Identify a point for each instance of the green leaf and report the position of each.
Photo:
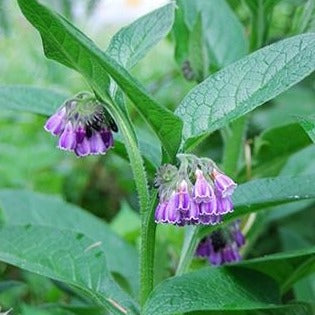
(262, 193)
(309, 126)
(65, 256)
(132, 42)
(67, 45)
(290, 309)
(222, 32)
(9, 284)
(31, 99)
(272, 149)
(22, 208)
(213, 289)
(286, 268)
(241, 87)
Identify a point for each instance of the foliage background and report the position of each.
(104, 186)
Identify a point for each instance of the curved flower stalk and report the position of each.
(83, 126)
(195, 193)
(222, 246)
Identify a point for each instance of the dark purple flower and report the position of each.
(223, 183)
(222, 246)
(83, 126)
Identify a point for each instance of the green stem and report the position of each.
(188, 249)
(146, 209)
(148, 228)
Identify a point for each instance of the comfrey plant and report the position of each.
(83, 126)
(195, 193)
(194, 199)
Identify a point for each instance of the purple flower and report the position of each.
(203, 192)
(224, 205)
(160, 214)
(56, 123)
(223, 183)
(222, 246)
(83, 126)
(182, 198)
(67, 140)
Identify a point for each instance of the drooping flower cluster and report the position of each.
(196, 193)
(83, 126)
(222, 246)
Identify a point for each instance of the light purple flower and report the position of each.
(83, 148)
(224, 205)
(67, 140)
(223, 183)
(182, 198)
(97, 144)
(160, 213)
(173, 215)
(56, 123)
(203, 192)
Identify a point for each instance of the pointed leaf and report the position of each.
(244, 85)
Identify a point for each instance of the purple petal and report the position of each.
(193, 213)
(203, 192)
(67, 140)
(96, 144)
(239, 238)
(182, 198)
(203, 249)
(224, 184)
(224, 205)
(107, 137)
(56, 123)
(80, 133)
(83, 148)
(172, 214)
(208, 207)
(160, 215)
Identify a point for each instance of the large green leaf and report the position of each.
(286, 268)
(132, 42)
(31, 99)
(66, 256)
(213, 289)
(246, 84)
(22, 208)
(67, 45)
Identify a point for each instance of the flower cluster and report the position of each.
(83, 126)
(196, 193)
(222, 246)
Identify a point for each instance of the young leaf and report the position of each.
(244, 85)
(308, 124)
(22, 208)
(213, 289)
(132, 42)
(67, 45)
(66, 256)
(286, 268)
(222, 32)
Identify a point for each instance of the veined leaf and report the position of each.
(244, 85)
(26, 208)
(286, 268)
(132, 42)
(65, 256)
(213, 289)
(67, 45)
